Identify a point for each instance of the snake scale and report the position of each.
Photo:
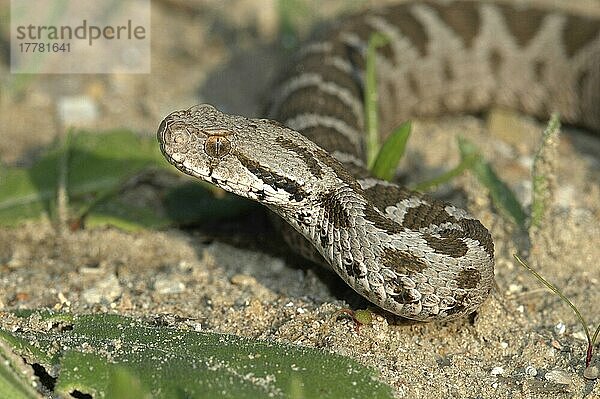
(405, 252)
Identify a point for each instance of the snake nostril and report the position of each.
(175, 134)
(179, 137)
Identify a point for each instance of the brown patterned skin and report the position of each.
(409, 254)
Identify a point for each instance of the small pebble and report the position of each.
(556, 345)
(591, 373)
(63, 299)
(560, 328)
(184, 266)
(169, 286)
(243, 280)
(498, 370)
(514, 288)
(106, 290)
(520, 308)
(558, 376)
(531, 371)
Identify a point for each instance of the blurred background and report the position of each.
(223, 52)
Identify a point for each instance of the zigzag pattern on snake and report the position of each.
(409, 254)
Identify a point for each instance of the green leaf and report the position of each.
(98, 165)
(122, 383)
(14, 383)
(105, 354)
(371, 97)
(391, 152)
(502, 196)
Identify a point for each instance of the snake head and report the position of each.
(239, 155)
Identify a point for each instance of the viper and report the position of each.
(407, 253)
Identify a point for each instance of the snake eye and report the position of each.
(217, 146)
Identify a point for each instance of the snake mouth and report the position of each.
(181, 167)
(225, 184)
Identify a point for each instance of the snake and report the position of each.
(407, 253)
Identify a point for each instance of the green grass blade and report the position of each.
(544, 170)
(391, 152)
(502, 196)
(558, 292)
(466, 162)
(591, 340)
(371, 98)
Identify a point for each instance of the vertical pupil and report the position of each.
(217, 146)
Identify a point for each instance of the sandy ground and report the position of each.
(236, 278)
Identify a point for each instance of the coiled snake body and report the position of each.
(411, 255)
